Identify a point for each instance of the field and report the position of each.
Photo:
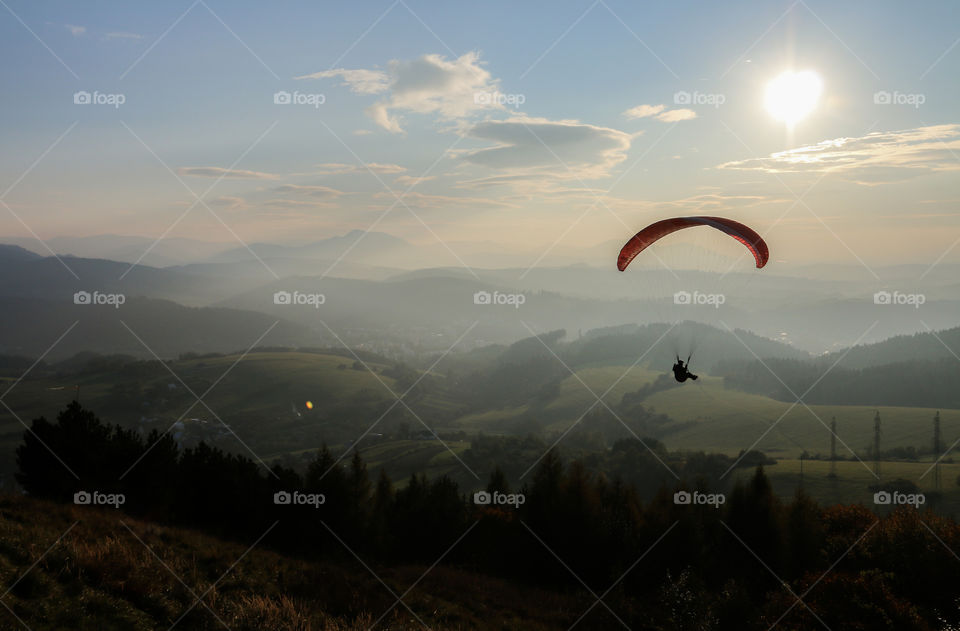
(573, 400)
(270, 390)
(712, 418)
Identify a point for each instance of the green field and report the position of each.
(271, 389)
(573, 400)
(710, 417)
(263, 396)
(259, 383)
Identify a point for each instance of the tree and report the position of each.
(57, 460)
(498, 482)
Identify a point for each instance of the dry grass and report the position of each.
(113, 572)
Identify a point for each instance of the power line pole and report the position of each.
(801, 469)
(936, 450)
(833, 447)
(876, 444)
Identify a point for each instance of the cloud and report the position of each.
(675, 116)
(235, 174)
(380, 114)
(502, 180)
(324, 192)
(122, 35)
(642, 111)
(408, 180)
(423, 200)
(660, 112)
(872, 159)
(75, 30)
(715, 202)
(430, 84)
(297, 204)
(359, 81)
(228, 202)
(566, 147)
(336, 168)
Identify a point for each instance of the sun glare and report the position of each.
(793, 95)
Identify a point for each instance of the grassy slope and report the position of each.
(713, 418)
(265, 384)
(261, 382)
(710, 417)
(113, 572)
(573, 400)
(706, 416)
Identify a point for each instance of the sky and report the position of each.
(531, 126)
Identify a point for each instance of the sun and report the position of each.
(793, 95)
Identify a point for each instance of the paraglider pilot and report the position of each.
(681, 372)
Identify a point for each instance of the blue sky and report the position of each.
(410, 87)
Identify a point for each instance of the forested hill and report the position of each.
(913, 383)
(919, 346)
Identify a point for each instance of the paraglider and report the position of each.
(655, 231)
(682, 372)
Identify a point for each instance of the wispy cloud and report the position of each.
(309, 191)
(122, 35)
(565, 147)
(336, 168)
(643, 111)
(872, 159)
(216, 172)
(675, 116)
(229, 202)
(660, 112)
(407, 180)
(297, 204)
(423, 200)
(716, 202)
(359, 81)
(75, 30)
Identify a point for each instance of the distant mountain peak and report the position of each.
(17, 253)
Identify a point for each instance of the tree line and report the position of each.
(736, 564)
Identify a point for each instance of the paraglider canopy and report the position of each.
(646, 237)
